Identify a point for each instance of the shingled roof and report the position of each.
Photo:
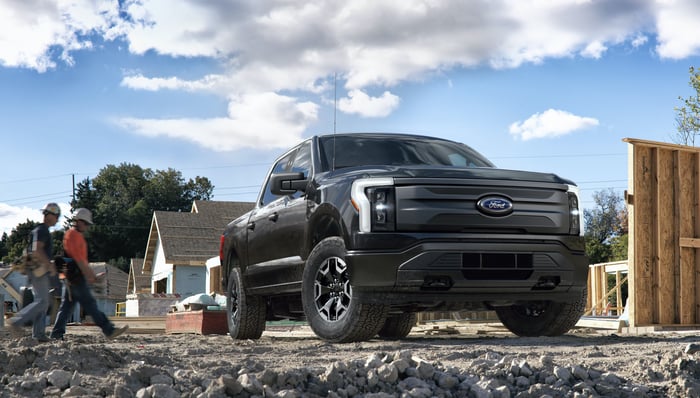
(139, 281)
(191, 238)
(114, 287)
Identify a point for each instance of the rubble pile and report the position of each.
(85, 367)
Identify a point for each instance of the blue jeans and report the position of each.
(36, 311)
(79, 293)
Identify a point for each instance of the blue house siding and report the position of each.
(190, 280)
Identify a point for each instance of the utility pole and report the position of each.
(72, 202)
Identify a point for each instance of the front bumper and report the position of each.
(481, 270)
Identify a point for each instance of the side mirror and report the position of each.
(287, 183)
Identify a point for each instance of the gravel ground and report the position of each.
(481, 361)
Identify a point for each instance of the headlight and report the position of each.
(374, 200)
(382, 204)
(575, 213)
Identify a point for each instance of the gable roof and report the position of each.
(191, 238)
(225, 211)
(115, 284)
(139, 281)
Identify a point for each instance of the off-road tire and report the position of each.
(543, 318)
(245, 314)
(333, 313)
(398, 326)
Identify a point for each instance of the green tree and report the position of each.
(606, 228)
(688, 115)
(123, 198)
(3, 246)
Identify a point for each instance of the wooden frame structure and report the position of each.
(664, 234)
(599, 296)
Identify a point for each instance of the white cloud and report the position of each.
(140, 82)
(265, 120)
(362, 104)
(550, 123)
(294, 49)
(594, 50)
(34, 34)
(678, 29)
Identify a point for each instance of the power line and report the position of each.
(228, 166)
(35, 197)
(590, 189)
(238, 187)
(40, 178)
(593, 155)
(598, 182)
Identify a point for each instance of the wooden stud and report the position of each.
(644, 231)
(665, 246)
(686, 199)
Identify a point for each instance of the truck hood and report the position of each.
(452, 173)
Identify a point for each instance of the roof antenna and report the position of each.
(335, 110)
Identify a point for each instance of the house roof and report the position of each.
(191, 238)
(225, 211)
(115, 282)
(139, 281)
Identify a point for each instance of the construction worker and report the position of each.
(79, 277)
(39, 251)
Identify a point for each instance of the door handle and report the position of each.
(251, 226)
(273, 217)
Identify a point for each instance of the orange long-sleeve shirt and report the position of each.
(75, 246)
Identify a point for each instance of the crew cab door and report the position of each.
(276, 227)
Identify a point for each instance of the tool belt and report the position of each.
(27, 263)
(67, 267)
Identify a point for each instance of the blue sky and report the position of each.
(219, 89)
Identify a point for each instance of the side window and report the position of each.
(280, 167)
(302, 160)
(302, 164)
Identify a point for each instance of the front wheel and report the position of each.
(543, 318)
(245, 313)
(331, 309)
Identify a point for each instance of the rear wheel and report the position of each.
(398, 326)
(331, 309)
(543, 318)
(245, 313)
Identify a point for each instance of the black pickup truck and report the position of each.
(356, 233)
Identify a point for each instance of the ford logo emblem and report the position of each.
(495, 206)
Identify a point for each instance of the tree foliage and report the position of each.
(688, 115)
(122, 199)
(606, 228)
(3, 246)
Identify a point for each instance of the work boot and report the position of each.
(117, 332)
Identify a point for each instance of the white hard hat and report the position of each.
(51, 208)
(83, 214)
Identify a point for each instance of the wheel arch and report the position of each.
(230, 258)
(323, 223)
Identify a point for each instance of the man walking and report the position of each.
(40, 249)
(79, 276)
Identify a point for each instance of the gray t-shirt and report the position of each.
(41, 234)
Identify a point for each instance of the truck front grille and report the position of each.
(497, 266)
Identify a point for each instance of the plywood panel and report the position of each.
(631, 238)
(664, 233)
(644, 165)
(687, 203)
(665, 244)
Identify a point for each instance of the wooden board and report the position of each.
(198, 322)
(664, 233)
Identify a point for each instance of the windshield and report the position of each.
(363, 150)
